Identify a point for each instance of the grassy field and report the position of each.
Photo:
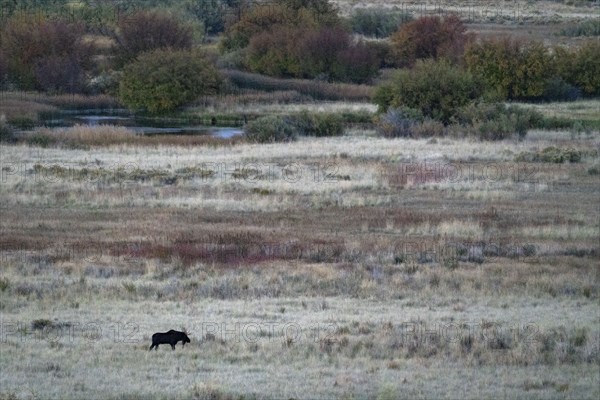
(352, 267)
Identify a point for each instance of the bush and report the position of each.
(262, 18)
(435, 88)
(590, 27)
(511, 69)
(558, 90)
(45, 54)
(580, 66)
(271, 128)
(551, 155)
(326, 53)
(162, 80)
(408, 123)
(3, 68)
(429, 37)
(144, 31)
(397, 122)
(319, 124)
(212, 13)
(496, 121)
(6, 131)
(378, 23)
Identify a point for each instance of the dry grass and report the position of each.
(83, 136)
(318, 90)
(394, 273)
(353, 266)
(28, 105)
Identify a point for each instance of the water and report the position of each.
(141, 125)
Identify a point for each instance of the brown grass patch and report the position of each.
(110, 135)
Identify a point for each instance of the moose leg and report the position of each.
(172, 346)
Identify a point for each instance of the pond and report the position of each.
(141, 125)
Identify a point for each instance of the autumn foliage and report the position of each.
(429, 37)
(45, 54)
(327, 53)
(144, 31)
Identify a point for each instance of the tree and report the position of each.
(164, 79)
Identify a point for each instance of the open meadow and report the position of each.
(340, 239)
(352, 266)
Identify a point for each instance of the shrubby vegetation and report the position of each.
(45, 54)
(318, 124)
(435, 88)
(429, 37)
(6, 131)
(144, 31)
(408, 123)
(163, 80)
(326, 53)
(260, 18)
(300, 39)
(284, 128)
(580, 67)
(513, 69)
(150, 56)
(551, 155)
(272, 128)
(496, 121)
(377, 22)
(589, 27)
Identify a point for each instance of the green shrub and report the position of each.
(580, 66)
(436, 88)
(551, 154)
(41, 140)
(378, 22)
(555, 123)
(272, 128)
(163, 80)
(22, 122)
(558, 90)
(7, 133)
(496, 121)
(512, 69)
(590, 27)
(319, 124)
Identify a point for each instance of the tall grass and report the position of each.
(82, 136)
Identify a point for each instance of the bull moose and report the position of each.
(171, 337)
